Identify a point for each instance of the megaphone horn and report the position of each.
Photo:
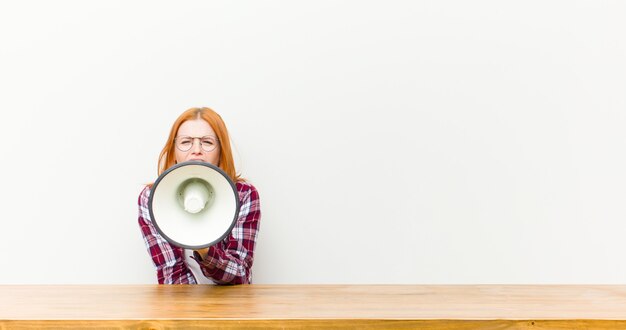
(194, 205)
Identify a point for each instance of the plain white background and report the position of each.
(391, 142)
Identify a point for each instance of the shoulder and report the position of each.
(144, 195)
(247, 190)
(245, 186)
(250, 212)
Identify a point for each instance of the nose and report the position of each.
(196, 148)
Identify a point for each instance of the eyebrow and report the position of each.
(211, 136)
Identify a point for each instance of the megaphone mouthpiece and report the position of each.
(195, 196)
(194, 204)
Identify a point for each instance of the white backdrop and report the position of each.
(390, 141)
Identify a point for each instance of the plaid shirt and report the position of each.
(227, 262)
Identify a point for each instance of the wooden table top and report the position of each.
(276, 305)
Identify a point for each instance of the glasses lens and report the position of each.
(208, 143)
(184, 143)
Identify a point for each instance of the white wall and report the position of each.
(391, 142)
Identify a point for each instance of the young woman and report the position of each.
(200, 134)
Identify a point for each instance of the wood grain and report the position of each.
(314, 306)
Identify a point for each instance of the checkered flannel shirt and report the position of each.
(227, 262)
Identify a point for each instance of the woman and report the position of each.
(200, 134)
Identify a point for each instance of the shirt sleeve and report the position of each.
(167, 258)
(230, 261)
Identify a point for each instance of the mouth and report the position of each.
(196, 159)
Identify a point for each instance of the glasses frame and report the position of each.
(193, 140)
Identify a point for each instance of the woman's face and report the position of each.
(196, 140)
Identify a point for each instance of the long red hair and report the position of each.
(226, 162)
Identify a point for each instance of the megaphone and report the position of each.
(194, 205)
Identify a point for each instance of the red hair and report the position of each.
(226, 163)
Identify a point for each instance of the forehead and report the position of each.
(195, 127)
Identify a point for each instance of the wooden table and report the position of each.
(314, 306)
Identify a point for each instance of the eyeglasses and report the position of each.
(184, 143)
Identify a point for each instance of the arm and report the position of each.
(168, 259)
(230, 261)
